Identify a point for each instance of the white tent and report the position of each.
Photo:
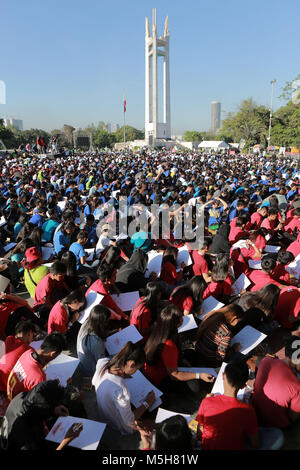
(214, 144)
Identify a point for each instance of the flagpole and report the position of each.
(124, 110)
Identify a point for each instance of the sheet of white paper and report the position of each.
(139, 387)
(294, 267)
(48, 264)
(9, 247)
(208, 305)
(240, 244)
(271, 249)
(201, 370)
(90, 253)
(188, 323)
(249, 338)
(2, 221)
(92, 299)
(62, 204)
(115, 343)
(241, 283)
(62, 368)
(183, 255)
(218, 388)
(47, 251)
(267, 237)
(254, 263)
(126, 301)
(154, 263)
(3, 283)
(89, 437)
(165, 414)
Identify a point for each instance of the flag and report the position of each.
(124, 100)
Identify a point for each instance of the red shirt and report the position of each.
(183, 302)
(281, 275)
(275, 389)
(218, 289)
(107, 301)
(288, 304)
(256, 219)
(141, 316)
(292, 224)
(58, 319)
(168, 360)
(6, 308)
(45, 288)
(236, 234)
(14, 348)
(169, 273)
(269, 225)
(226, 423)
(200, 265)
(26, 374)
(260, 279)
(294, 248)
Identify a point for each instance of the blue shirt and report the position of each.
(78, 251)
(48, 228)
(37, 219)
(60, 242)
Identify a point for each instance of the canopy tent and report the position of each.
(214, 144)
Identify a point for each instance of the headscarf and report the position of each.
(220, 242)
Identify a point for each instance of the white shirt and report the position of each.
(113, 399)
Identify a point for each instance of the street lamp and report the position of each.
(270, 122)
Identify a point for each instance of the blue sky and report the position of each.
(69, 61)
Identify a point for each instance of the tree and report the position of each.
(291, 90)
(131, 134)
(192, 136)
(286, 126)
(103, 139)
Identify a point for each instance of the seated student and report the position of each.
(163, 351)
(220, 243)
(66, 312)
(90, 227)
(292, 225)
(12, 310)
(131, 276)
(188, 298)
(238, 232)
(221, 285)
(284, 258)
(288, 307)
(33, 269)
(113, 396)
(91, 339)
(241, 256)
(50, 225)
(73, 280)
(294, 247)
(257, 217)
(103, 286)
(171, 434)
(265, 275)
(146, 310)
(23, 426)
(62, 238)
(214, 335)
(226, 423)
(169, 272)
(28, 370)
(200, 266)
(270, 222)
(276, 394)
(14, 346)
(78, 250)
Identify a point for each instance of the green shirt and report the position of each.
(37, 274)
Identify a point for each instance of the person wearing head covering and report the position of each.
(220, 243)
(34, 271)
(131, 276)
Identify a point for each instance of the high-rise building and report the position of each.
(108, 127)
(116, 127)
(215, 116)
(18, 123)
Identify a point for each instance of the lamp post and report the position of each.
(270, 122)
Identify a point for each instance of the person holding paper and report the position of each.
(200, 266)
(163, 350)
(294, 247)
(221, 285)
(188, 297)
(91, 339)
(113, 397)
(66, 312)
(265, 275)
(169, 272)
(226, 423)
(214, 335)
(71, 434)
(171, 434)
(284, 258)
(145, 311)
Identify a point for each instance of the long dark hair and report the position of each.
(74, 296)
(165, 328)
(193, 288)
(223, 315)
(265, 299)
(129, 352)
(36, 236)
(151, 298)
(169, 255)
(221, 266)
(69, 260)
(112, 257)
(97, 322)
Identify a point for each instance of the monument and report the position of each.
(156, 47)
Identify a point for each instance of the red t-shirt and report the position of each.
(169, 273)
(58, 319)
(256, 219)
(288, 304)
(141, 315)
(218, 289)
(292, 224)
(260, 279)
(26, 374)
(45, 288)
(236, 234)
(200, 265)
(294, 248)
(168, 360)
(183, 302)
(276, 388)
(14, 348)
(281, 275)
(268, 224)
(107, 301)
(6, 308)
(226, 423)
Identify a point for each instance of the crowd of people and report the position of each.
(71, 205)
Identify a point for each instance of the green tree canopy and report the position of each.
(192, 136)
(131, 134)
(103, 139)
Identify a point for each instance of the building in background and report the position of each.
(11, 122)
(215, 116)
(108, 127)
(116, 127)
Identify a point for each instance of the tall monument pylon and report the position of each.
(155, 48)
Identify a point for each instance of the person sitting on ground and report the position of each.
(200, 266)
(169, 272)
(188, 297)
(34, 271)
(220, 286)
(66, 312)
(145, 311)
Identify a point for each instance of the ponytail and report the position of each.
(129, 352)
